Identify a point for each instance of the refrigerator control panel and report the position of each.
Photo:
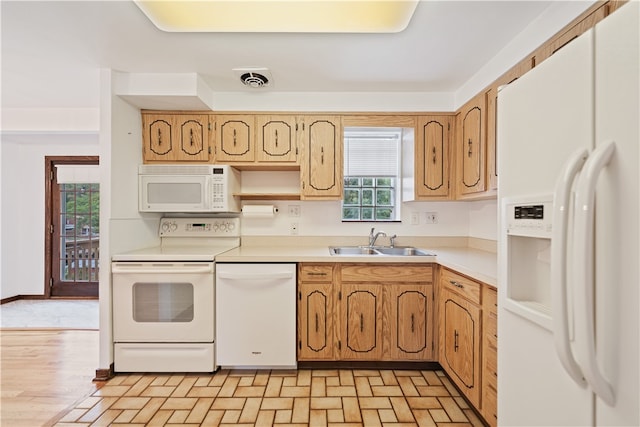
(530, 217)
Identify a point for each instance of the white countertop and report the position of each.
(478, 264)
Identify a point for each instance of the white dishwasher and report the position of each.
(256, 315)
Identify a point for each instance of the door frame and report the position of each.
(49, 179)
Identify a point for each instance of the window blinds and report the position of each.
(372, 154)
(77, 174)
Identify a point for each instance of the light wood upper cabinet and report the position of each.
(234, 140)
(276, 139)
(470, 149)
(321, 160)
(432, 157)
(170, 137)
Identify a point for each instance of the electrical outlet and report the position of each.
(431, 217)
(294, 210)
(294, 228)
(415, 218)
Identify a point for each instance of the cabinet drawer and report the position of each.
(461, 285)
(386, 273)
(315, 273)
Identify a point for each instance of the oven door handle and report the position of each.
(137, 268)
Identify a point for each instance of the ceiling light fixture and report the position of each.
(280, 16)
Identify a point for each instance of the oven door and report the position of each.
(163, 301)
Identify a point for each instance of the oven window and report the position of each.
(162, 302)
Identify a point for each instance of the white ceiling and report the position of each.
(52, 51)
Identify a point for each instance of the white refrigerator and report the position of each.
(569, 232)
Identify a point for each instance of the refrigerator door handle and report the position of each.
(584, 270)
(559, 304)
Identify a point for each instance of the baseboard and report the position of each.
(350, 364)
(19, 297)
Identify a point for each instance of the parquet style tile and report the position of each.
(282, 398)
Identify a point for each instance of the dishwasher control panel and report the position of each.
(199, 227)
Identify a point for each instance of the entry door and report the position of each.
(72, 227)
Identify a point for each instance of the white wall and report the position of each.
(23, 204)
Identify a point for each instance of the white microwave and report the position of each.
(188, 188)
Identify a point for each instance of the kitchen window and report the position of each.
(372, 174)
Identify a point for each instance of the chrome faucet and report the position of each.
(373, 237)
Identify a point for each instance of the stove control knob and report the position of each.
(231, 226)
(223, 227)
(165, 227)
(174, 226)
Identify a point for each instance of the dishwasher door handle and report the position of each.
(256, 276)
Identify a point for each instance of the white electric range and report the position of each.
(164, 297)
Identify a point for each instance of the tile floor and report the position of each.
(264, 398)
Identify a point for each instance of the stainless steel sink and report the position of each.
(403, 251)
(378, 250)
(352, 250)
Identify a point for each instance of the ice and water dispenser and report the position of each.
(526, 236)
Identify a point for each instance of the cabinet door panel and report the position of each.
(411, 321)
(460, 343)
(276, 139)
(315, 322)
(471, 147)
(362, 322)
(432, 157)
(193, 137)
(234, 139)
(157, 137)
(321, 167)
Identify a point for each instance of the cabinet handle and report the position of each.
(456, 284)
(191, 136)
(361, 322)
(322, 155)
(159, 137)
(234, 137)
(455, 340)
(317, 327)
(276, 138)
(316, 274)
(470, 144)
(434, 155)
(413, 323)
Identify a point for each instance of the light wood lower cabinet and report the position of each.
(469, 339)
(410, 321)
(367, 312)
(316, 312)
(460, 343)
(490, 356)
(361, 321)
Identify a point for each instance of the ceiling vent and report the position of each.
(254, 77)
